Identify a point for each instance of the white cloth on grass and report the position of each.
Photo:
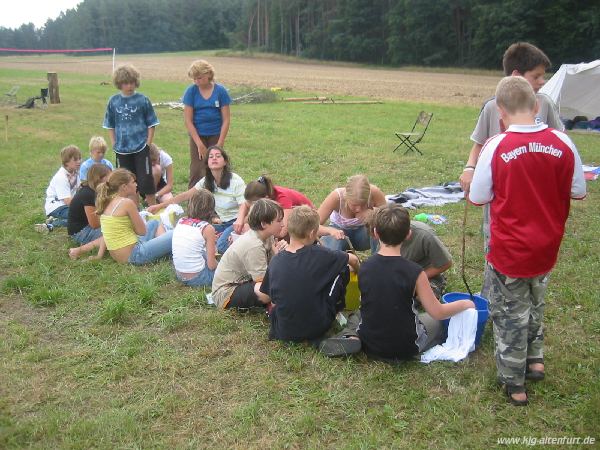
(460, 341)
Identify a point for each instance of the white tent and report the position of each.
(575, 88)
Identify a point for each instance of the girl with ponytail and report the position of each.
(128, 238)
(264, 187)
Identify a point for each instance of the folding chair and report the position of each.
(412, 138)
(11, 96)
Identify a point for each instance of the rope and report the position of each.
(462, 252)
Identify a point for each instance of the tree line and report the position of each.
(459, 33)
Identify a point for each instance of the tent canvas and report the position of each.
(575, 88)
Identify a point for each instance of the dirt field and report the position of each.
(321, 79)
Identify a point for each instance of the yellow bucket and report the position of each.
(352, 293)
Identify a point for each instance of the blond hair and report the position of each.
(515, 94)
(154, 152)
(358, 189)
(302, 221)
(68, 153)
(108, 190)
(126, 74)
(199, 68)
(95, 174)
(97, 142)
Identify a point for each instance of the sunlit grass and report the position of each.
(96, 354)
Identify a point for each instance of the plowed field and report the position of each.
(320, 79)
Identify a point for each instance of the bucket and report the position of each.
(352, 293)
(481, 304)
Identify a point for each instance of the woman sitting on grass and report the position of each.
(228, 189)
(83, 224)
(265, 188)
(128, 238)
(347, 209)
(195, 242)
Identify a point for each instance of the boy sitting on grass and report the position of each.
(388, 325)
(98, 148)
(240, 272)
(528, 174)
(61, 190)
(306, 282)
(162, 171)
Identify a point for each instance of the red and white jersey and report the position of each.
(528, 174)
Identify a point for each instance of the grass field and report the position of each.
(97, 355)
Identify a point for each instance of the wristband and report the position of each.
(469, 168)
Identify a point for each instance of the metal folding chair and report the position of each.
(11, 96)
(413, 137)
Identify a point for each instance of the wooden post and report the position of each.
(53, 87)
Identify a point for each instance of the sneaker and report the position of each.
(43, 227)
(49, 219)
(339, 346)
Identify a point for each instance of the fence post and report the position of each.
(53, 87)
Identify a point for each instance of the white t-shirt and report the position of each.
(228, 201)
(165, 161)
(59, 189)
(189, 246)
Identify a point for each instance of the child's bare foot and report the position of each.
(74, 253)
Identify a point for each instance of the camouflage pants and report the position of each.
(516, 310)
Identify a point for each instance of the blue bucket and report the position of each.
(481, 304)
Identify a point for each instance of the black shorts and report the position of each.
(244, 297)
(140, 165)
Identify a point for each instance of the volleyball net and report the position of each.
(9, 51)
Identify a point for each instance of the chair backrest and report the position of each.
(421, 124)
(11, 96)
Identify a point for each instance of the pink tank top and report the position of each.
(344, 222)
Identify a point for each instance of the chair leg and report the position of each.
(403, 141)
(412, 147)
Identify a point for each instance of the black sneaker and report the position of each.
(340, 346)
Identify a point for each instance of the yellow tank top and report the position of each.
(117, 231)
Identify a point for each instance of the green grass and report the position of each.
(98, 355)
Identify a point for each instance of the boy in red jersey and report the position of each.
(527, 174)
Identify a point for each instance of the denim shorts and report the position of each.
(203, 278)
(87, 234)
(150, 248)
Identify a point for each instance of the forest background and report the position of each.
(460, 33)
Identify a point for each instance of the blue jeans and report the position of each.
(225, 228)
(358, 236)
(203, 278)
(150, 248)
(87, 234)
(61, 215)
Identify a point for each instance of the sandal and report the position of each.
(510, 389)
(534, 375)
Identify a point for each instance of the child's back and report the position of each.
(389, 327)
(189, 245)
(533, 168)
(305, 285)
